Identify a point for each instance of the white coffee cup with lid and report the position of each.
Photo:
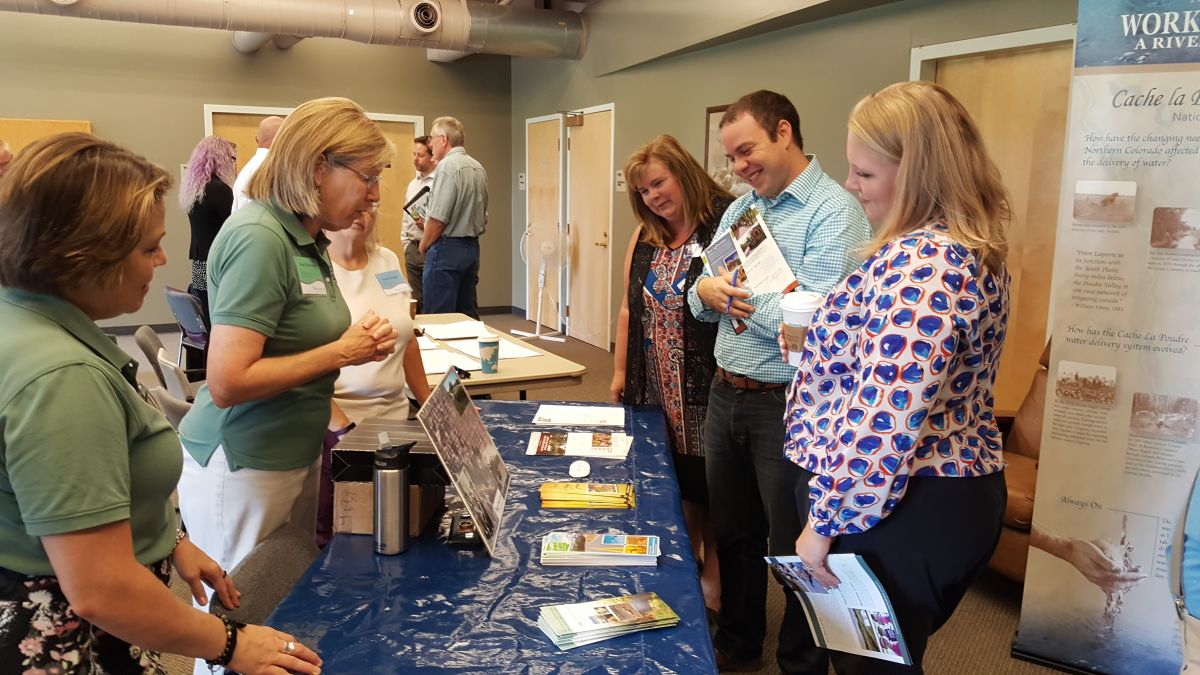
(798, 308)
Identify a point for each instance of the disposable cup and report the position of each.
(489, 353)
(798, 308)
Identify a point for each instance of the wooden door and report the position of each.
(241, 128)
(543, 185)
(392, 187)
(589, 218)
(1018, 98)
(19, 133)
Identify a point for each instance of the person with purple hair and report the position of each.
(206, 194)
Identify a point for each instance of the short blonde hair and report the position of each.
(699, 189)
(452, 129)
(945, 171)
(316, 131)
(72, 208)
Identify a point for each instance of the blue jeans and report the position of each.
(751, 497)
(451, 275)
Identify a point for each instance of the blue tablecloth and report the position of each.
(436, 608)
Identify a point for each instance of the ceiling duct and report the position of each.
(463, 25)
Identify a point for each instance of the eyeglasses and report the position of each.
(371, 181)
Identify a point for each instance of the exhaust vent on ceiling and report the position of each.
(427, 16)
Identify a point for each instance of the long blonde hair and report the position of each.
(945, 171)
(699, 189)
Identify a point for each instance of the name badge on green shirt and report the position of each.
(311, 281)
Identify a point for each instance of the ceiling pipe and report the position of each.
(450, 55)
(248, 43)
(461, 25)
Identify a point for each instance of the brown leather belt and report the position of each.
(743, 382)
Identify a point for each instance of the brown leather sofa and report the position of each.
(1022, 447)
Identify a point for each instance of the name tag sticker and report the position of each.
(392, 282)
(311, 281)
(692, 250)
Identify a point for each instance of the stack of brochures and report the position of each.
(579, 444)
(604, 550)
(583, 623)
(587, 496)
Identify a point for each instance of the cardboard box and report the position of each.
(354, 507)
(353, 459)
(354, 469)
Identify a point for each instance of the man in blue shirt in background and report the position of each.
(819, 228)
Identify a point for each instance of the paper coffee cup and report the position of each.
(489, 352)
(798, 308)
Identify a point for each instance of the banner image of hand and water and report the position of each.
(1120, 446)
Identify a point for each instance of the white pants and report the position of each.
(228, 512)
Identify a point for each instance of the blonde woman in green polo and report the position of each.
(280, 332)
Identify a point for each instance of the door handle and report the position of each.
(601, 244)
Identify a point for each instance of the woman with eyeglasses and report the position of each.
(281, 332)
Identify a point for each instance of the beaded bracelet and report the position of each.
(231, 631)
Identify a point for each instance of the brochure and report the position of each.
(579, 444)
(856, 617)
(581, 415)
(599, 549)
(583, 623)
(587, 496)
(749, 252)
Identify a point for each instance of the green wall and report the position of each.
(145, 87)
(823, 67)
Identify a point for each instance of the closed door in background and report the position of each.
(1018, 98)
(543, 178)
(241, 128)
(19, 133)
(589, 218)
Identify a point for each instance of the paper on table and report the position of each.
(454, 331)
(508, 349)
(586, 415)
(856, 617)
(579, 444)
(439, 360)
(425, 343)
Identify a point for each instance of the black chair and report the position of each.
(193, 324)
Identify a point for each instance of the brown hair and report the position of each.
(767, 108)
(945, 171)
(335, 128)
(424, 140)
(72, 207)
(699, 189)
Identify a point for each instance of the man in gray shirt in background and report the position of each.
(454, 219)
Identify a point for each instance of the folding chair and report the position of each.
(150, 344)
(192, 322)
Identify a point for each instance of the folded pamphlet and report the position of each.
(587, 496)
(579, 444)
(599, 549)
(583, 623)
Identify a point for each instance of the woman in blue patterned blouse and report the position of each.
(890, 415)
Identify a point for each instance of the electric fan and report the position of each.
(549, 259)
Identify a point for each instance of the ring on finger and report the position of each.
(289, 647)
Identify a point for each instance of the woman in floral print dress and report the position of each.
(664, 356)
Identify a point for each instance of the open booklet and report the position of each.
(749, 252)
(856, 617)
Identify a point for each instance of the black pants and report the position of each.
(751, 503)
(926, 553)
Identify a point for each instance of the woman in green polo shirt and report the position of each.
(280, 332)
(88, 535)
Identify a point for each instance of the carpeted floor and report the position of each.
(976, 640)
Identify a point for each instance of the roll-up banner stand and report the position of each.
(1120, 446)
